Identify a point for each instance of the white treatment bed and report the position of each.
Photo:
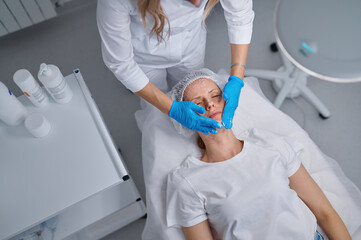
(164, 149)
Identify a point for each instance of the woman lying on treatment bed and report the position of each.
(249, 188)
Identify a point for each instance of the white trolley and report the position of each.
(73, 179)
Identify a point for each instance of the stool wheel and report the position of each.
(323, 117)
(273, 47)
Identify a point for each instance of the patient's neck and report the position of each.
(221, 146)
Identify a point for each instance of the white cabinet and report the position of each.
(74, 174)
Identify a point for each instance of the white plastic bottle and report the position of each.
(12, 112)
(30, 87)
(54, 82)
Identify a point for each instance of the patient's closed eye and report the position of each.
(217, 96)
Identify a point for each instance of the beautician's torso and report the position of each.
(186, 33)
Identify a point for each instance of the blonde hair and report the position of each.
(208, 10)
(155, 10)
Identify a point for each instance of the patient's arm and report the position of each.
(312, 195)
(199, 231)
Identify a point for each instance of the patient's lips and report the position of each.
(215, 114)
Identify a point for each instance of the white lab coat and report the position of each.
(128, 49)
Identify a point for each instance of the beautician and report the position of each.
(149, 45)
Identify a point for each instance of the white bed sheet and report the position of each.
(164, 149)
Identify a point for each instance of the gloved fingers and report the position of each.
(208, 122)
(196, 108)
(206, 130)
(227, 116)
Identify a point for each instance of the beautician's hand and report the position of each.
(231, 95)
(185, 113)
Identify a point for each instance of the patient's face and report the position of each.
(204, 92)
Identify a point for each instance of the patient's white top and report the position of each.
(245, 197)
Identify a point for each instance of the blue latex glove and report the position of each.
(185, 113)
(231, 95)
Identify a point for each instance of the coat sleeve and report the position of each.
(113, 19)
(239, 17)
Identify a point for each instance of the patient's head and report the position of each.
(206, 93)
(202, 87)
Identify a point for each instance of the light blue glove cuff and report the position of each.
(171, 111)
(237, 79)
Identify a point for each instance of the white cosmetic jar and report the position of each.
(37, 125)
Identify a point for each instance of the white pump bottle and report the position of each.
(54, 82)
